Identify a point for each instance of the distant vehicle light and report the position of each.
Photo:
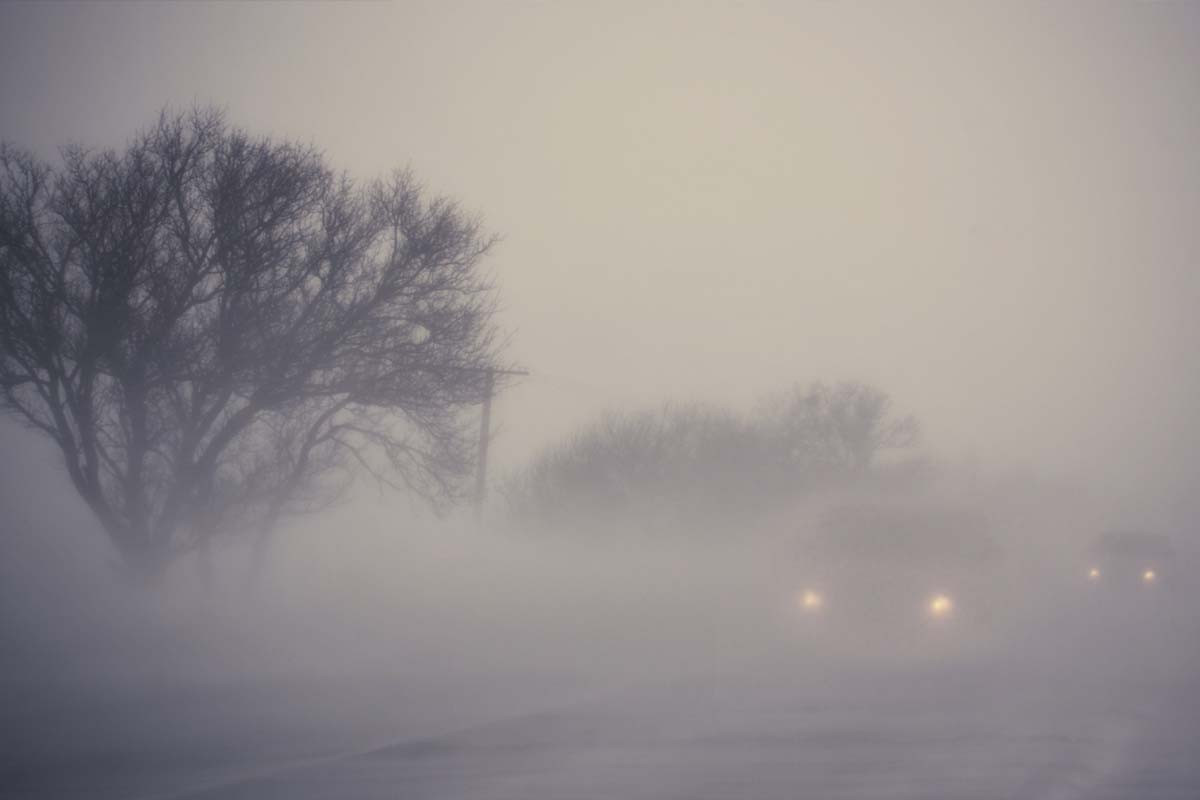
(1094, 574)
(940, 606)
(811, 601)
(1149, 576)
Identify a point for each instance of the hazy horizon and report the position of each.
(983, 210)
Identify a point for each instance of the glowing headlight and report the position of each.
(940, 605)
(1094, 574)
(810, 600)
(1149, 575)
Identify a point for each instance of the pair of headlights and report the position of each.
(938, 605)
(1148, 576)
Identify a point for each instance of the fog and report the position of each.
(984, 211)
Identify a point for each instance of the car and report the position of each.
(894, 574)
(1129, 559)
(1133, 590)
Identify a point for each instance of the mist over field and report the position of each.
(831, 368)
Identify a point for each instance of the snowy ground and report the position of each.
(504, 681)
(1112, 721)
(930, 733)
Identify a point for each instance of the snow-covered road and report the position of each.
(958, 732)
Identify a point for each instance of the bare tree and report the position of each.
(217, 329)
(844, 426)
(674, 462)
(695, 464)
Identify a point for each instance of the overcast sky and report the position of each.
(990, 211)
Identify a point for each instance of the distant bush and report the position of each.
(695, 464)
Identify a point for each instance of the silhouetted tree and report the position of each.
(215, 329)
(843, 427)
(656, 466)
(681, 465)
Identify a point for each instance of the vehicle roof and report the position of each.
(1132, 544)
(909, 533)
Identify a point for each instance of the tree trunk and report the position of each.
(146, 566)
(204, 568)
(258, 556)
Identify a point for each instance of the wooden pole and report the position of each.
(484, 436)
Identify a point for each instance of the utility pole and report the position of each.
(485, 424)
